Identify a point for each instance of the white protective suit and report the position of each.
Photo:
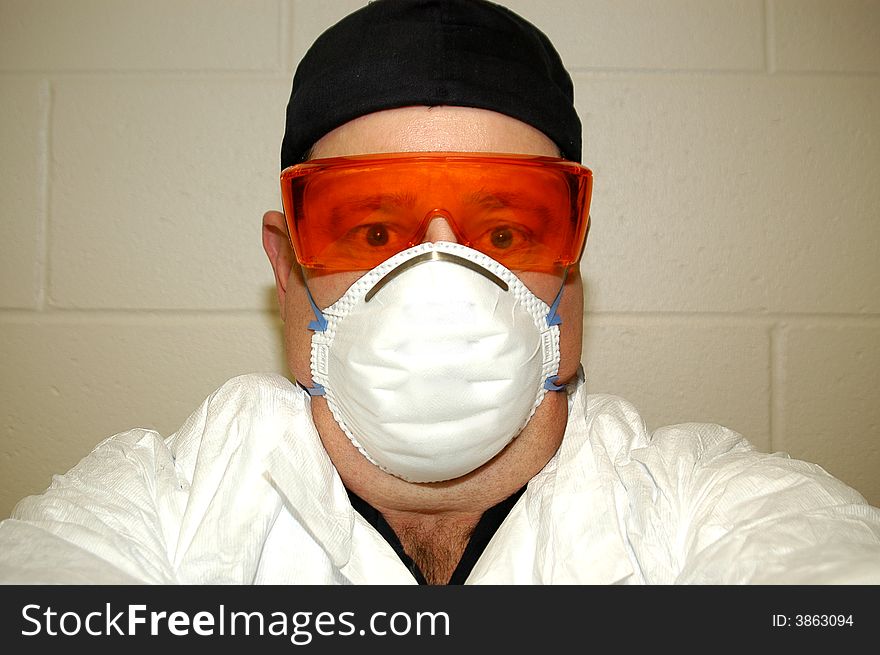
(245, 493)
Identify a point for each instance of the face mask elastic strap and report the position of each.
(320, 323)
(550, 384)
(317, 390)
(552, 317)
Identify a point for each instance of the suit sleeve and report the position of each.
(108, 520)
(747, 517)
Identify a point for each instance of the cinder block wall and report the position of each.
(732, 270)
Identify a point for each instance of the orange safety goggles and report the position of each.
(529, 213)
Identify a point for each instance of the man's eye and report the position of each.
(376, 234)
(506, 237)
(501, 237)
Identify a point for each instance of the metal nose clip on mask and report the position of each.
(434, 361)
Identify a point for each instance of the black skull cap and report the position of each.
(398, 53)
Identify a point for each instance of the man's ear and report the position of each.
(276, 243)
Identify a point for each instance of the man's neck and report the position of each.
(435, 545)
(435, 520)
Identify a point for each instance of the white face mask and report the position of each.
(435, 360)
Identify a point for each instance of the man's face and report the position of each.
(411, 129)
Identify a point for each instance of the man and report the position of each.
(439, 430)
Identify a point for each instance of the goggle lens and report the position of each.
(353, 213)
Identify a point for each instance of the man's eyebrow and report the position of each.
(507, 199)
(374, 202)
(378, 200)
